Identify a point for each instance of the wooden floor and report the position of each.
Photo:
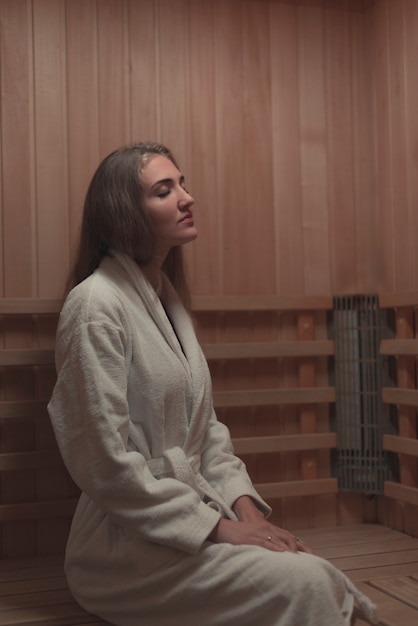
(383, 563)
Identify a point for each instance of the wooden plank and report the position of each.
(16, 357)
(68, 614)
(391, 611)
(368, 566)
(22, 408)
(368, 547)
(32, 585)
(393, 395)
(284, 443)
(269, 397)
(29, 460)
(261, 303)
(395, 347)
(390, 300)
(401, 445)
(37, 510)
(24, 306)
(28, 306)
(17, 139)
(349, 535)
(279, 349)
(45, 598)
(298, 488)
(403, 588)
(401, 492)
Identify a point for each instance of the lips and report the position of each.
(188, 217)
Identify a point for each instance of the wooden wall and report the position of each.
(294, 122)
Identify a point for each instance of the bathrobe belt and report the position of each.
(186, 469)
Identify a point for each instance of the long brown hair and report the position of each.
(114, 217)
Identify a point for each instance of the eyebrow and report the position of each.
(167, 181)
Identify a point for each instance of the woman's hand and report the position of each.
(260, 533)
(253, 529)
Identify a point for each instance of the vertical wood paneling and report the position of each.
(402, 228)
(340, 161)
(286, 161)
(313, 149)
(51, 155)
(366, 208)
(294, 122)
(83, 105)
(144, 70)
(18, 258)
(256, 253)
(230, 145)
(173, 88)
(411, 108)
(206, 255)
(112, 70)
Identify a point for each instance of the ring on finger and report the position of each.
(269, 538)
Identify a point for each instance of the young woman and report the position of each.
(169, 529)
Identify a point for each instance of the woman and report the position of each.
(169, 529)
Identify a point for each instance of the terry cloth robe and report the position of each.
(133, 416)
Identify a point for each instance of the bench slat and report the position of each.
(285, 443)
(401, 445)
(30, 460)
(272, 397)
(394, 395)
(404, 493)
(261, 303)
(265, 349)
(14, 409)
(29, 306)
(37, 510)
(395, 347)
(21, 357)
(316, 487)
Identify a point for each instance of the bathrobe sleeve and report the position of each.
(90, 415)
(225, 471)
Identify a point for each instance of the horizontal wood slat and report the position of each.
(403, 493)
(26, 306)
(23, 409)
(285, 443)
(30, 460)
(401, 347)
(29, 306)
(391, 300)
(261, 303)
(392, 395)
(22, 357)
(299, 488)
(278, 349)
(271, 397)
(37, 510)
(401, 445)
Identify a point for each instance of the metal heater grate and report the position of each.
(361, 418)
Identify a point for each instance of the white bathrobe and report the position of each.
(133, 416)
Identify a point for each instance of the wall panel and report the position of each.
(18, 258)
(294, 123)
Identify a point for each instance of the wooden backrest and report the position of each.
(268, 358)
(403, 397)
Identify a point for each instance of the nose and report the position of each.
(186, 199)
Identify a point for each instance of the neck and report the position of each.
(153, 273)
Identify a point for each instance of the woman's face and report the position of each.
(169, 204)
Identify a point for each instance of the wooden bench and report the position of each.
(269, 360)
